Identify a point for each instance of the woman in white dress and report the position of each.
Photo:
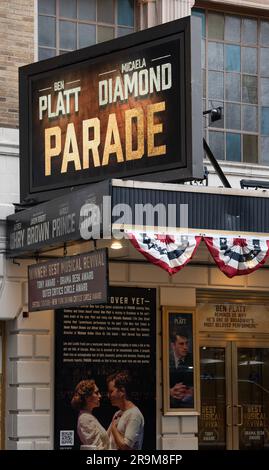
(91, 433)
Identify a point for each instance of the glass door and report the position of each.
(251, 379)
(215, 417)
(234, 389)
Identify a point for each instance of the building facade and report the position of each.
(235, 45)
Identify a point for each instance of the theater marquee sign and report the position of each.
(126, 108)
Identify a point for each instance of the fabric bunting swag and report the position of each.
(234, 256)
(170, 252)
(238, 256)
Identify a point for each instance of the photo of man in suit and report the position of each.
(181, 369)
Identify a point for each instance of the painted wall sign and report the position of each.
(68, 281)
(92, 343)
(126, 108)
(233, 317)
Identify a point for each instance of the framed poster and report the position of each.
(180, 362)
(103, 353)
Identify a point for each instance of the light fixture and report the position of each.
(215, 113)
(116, 245)
(210, 361)
(251, 363)
(254, 184)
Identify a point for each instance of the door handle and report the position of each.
(241, 415)
(227, 414)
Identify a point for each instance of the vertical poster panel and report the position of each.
(179, 361)
(92, 343)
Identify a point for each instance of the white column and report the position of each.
(12, 278)
(10, 289)
(147, 14)
(169, 10)
(29, 382)
(9, 167)
(153, 12)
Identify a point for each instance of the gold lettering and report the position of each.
(91, 144)
(70, 155)
(112, 133)
(132, 127)
(154, 129)
(130, 115)
(51, 151)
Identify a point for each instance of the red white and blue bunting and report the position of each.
(234, 256)
(238, 256)
(170, 252)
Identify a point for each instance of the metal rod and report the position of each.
(215, 164)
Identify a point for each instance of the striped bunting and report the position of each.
(238, 256)
(170, 252)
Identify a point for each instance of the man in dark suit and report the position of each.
(180, 371)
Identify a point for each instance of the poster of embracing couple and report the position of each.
(105, 384)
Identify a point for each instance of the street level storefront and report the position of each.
(223, 320)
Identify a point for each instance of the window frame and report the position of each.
(221, 127)
(115, 26)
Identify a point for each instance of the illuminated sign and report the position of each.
(126, 108)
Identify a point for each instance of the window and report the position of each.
(235, 63)
(65, 25)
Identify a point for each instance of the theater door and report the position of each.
(234, 388)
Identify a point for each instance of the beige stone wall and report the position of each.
(263, 4)
(17, 49)
(0, 410)
(1, 391)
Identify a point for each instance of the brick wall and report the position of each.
(17, 49)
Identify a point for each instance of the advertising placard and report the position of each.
(180, 362)
(68, 281)
(130, 107)
(243, 318)
(105, 373)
